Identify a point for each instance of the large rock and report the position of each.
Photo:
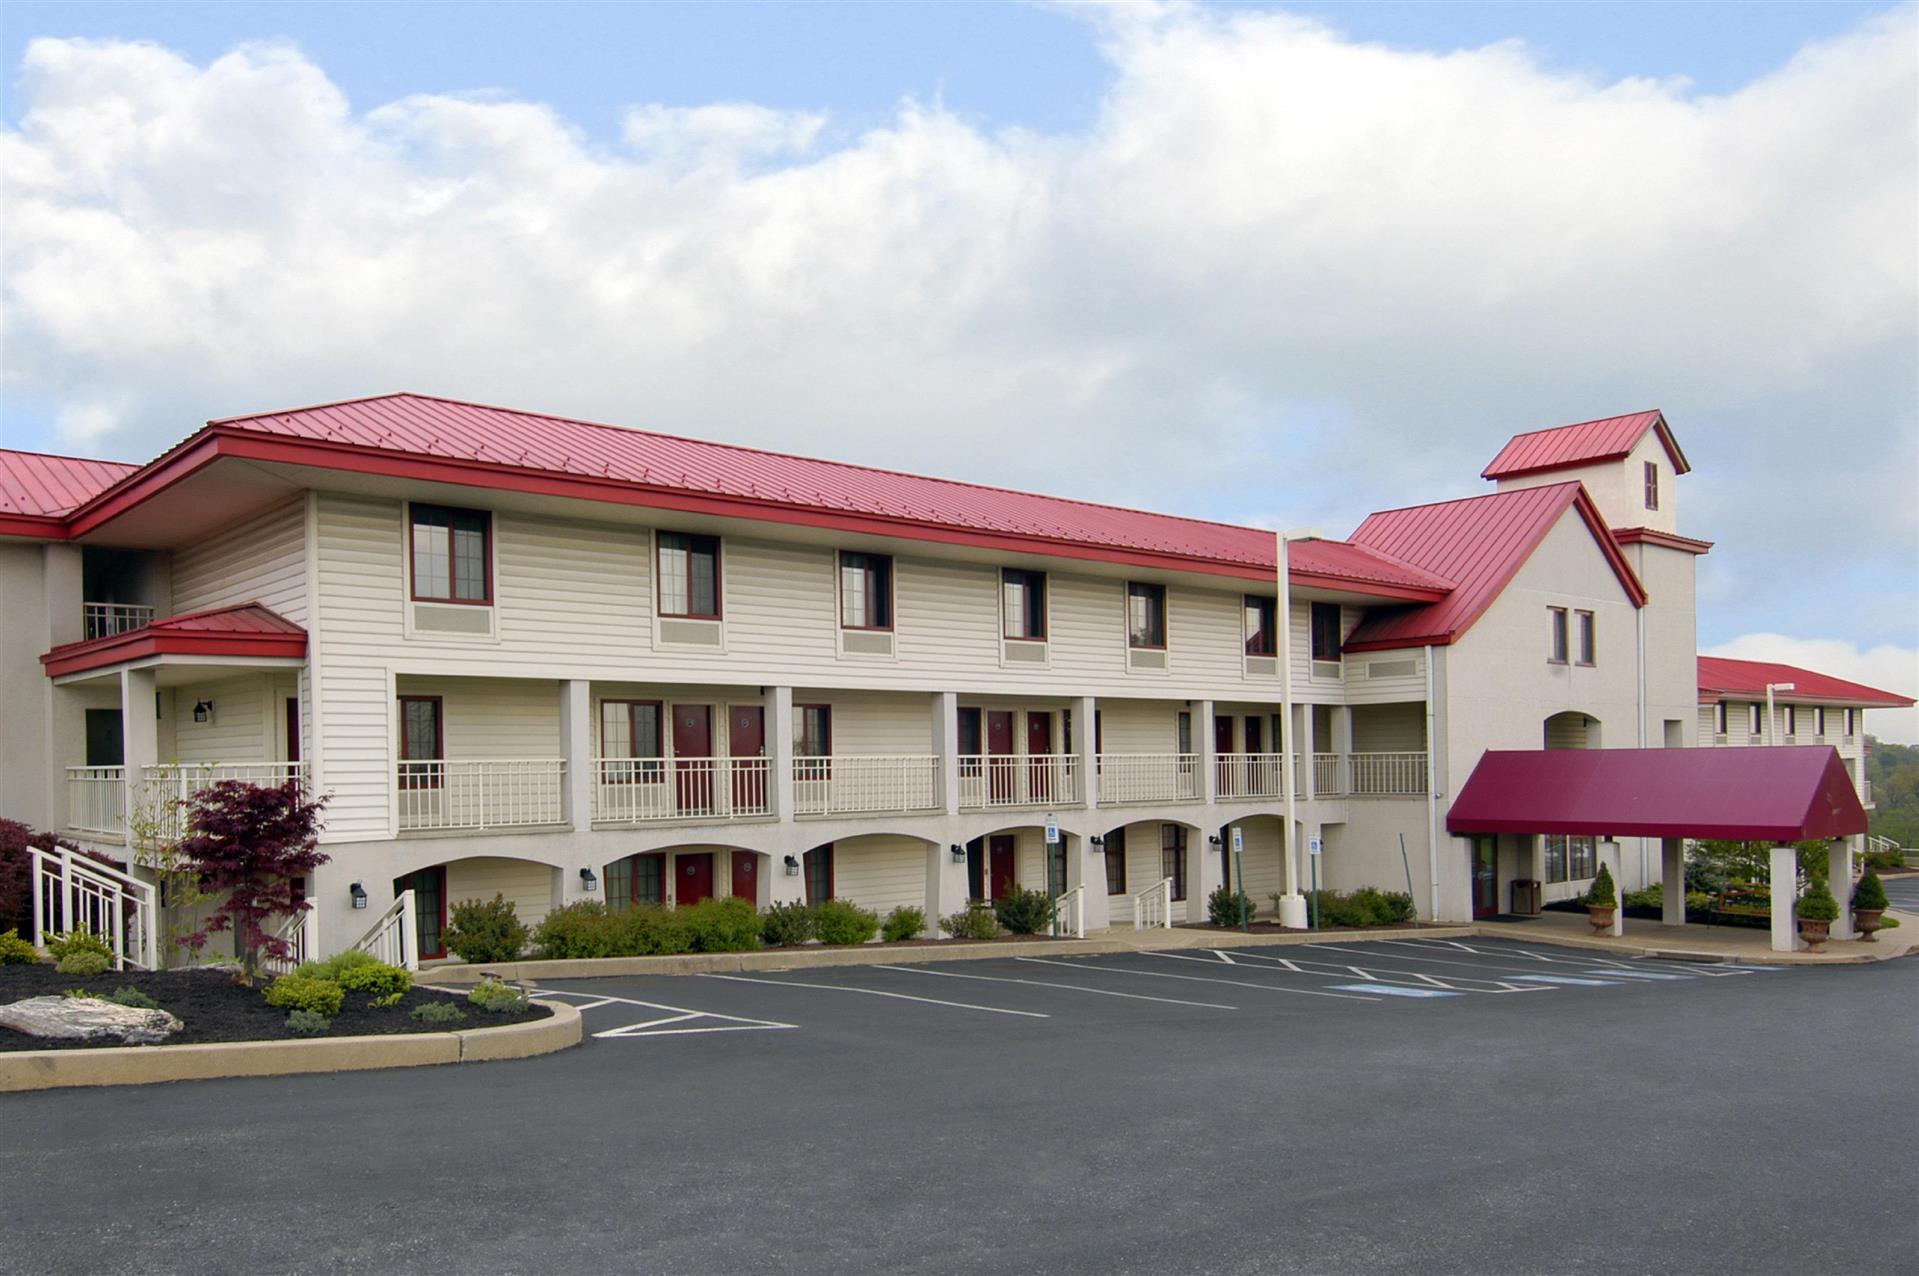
(85, 1019)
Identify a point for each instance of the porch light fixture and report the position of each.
(1096, 840)
(359, 895)
(792, 867)
(959, 853)
(203, 710)
(588, 882)
(1212, 839)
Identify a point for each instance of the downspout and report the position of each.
(1639, 620)
(1432, 797)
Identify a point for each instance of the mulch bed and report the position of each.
(214, 1008)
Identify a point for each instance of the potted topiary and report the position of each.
(1601, 900)
(1868, 905)
(1816, 910)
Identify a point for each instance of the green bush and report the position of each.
(304, 992)
(15, 951)
(585, 929)
(60, 946)
(1817, 904)
(81, 994)
(722, 925)
(650, 931)
(437, 1012)
(308, 1023)
(1366, 906)
(1870, 893)
(840, 921)
(1024, 912)
(485, 930)
(975, 921)
(1885, 859)
(787, 925)
(1603, 894)
(338, 964)
(1223, 906)
(495, 997)
(84, 963)
(903, 923)
(128, 995)
(384, 984)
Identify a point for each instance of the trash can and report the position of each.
(1526, 896)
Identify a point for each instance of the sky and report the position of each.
(1276, 265)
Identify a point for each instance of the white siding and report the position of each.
(1142, 726)
(261, 560)
(239, 731)
(527, 886)
(881, 872)
(1387, 728)
(493, 717)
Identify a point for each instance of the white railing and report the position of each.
(1154, 906)
(1388, 774)
(103, 620)
(481, 793)
(1329, 774)
(1069, 914)
(97, 800)
(1148, 777)
(640, 790)
(1880, 844)
(167, 788)
(394, 936)
(1008, 779)
(301, 934)
(851, 785)
(1253, 775)
(72, 892)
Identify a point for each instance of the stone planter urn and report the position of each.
(1867, 920)
(1814, 933)
(1600, 915)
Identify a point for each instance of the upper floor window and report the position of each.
(689, 576)
(971, 743)
(1852, 720)
(1262, 626)
(813, 730)
(1183, 731)
(1719, 718)
(1819, 720)
(1558, 641)
(421, 745)
(1145, 615)
(452, 560)
(1756, 718)
(629, 731)
(1022, 604)
(1652, 485)
(1588, 637)
(1326, 636)
(866, 591)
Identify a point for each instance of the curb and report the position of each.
(144, 1065)
(1888, 952)
(769, 959)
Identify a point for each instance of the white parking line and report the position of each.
(875, 992)
(1198, 979)
(657, 1027)
(1047, 983)
(1334, 970)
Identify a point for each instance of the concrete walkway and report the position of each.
(1745, 944)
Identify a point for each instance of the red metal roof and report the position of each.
(1479, 543)
(247, 630)
(1720, 678)
(35, 485)
(1582, 444)
(1776, 795)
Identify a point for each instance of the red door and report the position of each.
(692, 746)
(1039, 748)
(692, 878)
(999, 748)
(746, 877)
(1000, 853)
(746, 738)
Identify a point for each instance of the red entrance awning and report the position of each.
(1752, 794)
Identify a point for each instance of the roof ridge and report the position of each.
(1464, 500)
(1574, 425)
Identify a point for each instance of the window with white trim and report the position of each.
(689, 569)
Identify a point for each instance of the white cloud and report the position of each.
(1894, 669)
(1283, 273)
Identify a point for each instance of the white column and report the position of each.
(1086, 866)
(1672, 876)
(1839, 879)
(1610, 856)
(1203, 712)
(778, 715)
(140, 736)
(945, 884)
(576, 737)
(1202, 873)
(1785, 891)
(1084, 745)
(946, 749)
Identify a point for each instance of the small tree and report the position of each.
(1603, 894)
(1870, 894)
(247, 842)
(1817, 904)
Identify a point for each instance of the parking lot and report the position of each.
(1435, 1106)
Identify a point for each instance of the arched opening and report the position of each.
(1571, 730)
(531, 887)
(681, 876)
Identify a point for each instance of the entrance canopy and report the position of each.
(1757, 794)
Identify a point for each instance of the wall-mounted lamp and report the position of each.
(203, 711)
(359, 895)
(959, 853)
(1212, 839)
(588, 882)
(1097, 840)
(792, 867)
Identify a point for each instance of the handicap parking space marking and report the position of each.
(1398, 990)
(878, 992)
(1570, 979)
(664, 1025)
(1611, 971)
(1087, 964)
(1385, 975)
(1047, 983)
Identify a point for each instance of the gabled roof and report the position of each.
(1720, 678)
(37, 485)
(1782, 795)
(1479, 543)
(248, 630)
(1610, 438)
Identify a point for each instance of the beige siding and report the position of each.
(1141, 726)
(239, 731)
(1388, 728)
(261, 560)
(527, 886)
(493, 718)
(881, 872)
(876, 723)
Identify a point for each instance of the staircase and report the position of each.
(74, 892)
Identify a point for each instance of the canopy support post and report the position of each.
(1672, 882)
(1785, 894)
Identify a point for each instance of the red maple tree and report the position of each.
(248, 842)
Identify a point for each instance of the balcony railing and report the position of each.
(1388, 774)
(167, 788)
(1255, 775)
(97, 800)
(645, 790)
(103, 620)
(988, 781)
(1329, 774)
(1148, 777)
(857, 785)
(481, 793)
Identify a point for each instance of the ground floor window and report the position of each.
(819, 874)
(1116, 862)
(637, 879)
(1172, 856)
(1571, 859)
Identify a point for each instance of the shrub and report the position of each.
(16, 875)
(438, 1012)
(308, 1023)
(1024, 912)
(78, 941)
(128, 995)
(1869, 894)
(485, 930)
(15, 951)
(81, 994)
(1366, 906)
(585, 929)
(384, 984)
(1223, 906)
(976, 921)
(1817, 904)
(904, 922)
(840, 921)
(1603, 894)
(84, 963)
(304, 992)
(338, 964)
(1885, 859)
(787, 925)
(495, 997)
(722, 925)
(650, 931)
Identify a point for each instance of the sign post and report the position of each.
(1312, 852)
(1239, 877)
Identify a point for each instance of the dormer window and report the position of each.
(1652, 485)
